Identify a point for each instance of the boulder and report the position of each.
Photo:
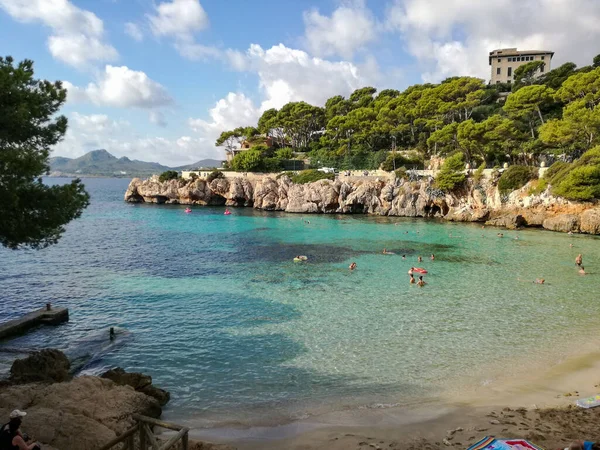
(590, 221)
(510, 221)
(200, 445)
(562, 222)
(81, 414)
(48, 366)
(139, 382)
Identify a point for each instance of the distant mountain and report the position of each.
(203, 163)
(102, 163)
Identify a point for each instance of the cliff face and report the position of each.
(385, 197)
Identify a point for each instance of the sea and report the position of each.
(215, 309)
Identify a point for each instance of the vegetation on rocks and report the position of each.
(515, 177)
(214, 175)
(168, 175)
(311, 175)
(579, 180)
(452, 174)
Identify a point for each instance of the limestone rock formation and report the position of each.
(81, 414)
(48, 365)
(139, 382)
(386, 196)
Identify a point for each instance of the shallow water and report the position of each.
(221, 316)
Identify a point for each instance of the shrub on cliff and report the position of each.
(214, 174)
(478, 174)
(452, 173)
(168, 175)
(579, 180)
(515, 177)
(311, 175)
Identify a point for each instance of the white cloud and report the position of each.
(77, 35)
(121, 87)
(91, 132)
(350, 27)
(287, 74)
(453, 37)
(134, 31)
(235, 110)
(180, 20)
(157, 118)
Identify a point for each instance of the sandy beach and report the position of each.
(540, 408)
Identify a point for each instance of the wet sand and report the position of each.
(538, 407)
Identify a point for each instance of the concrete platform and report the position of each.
(46, 316)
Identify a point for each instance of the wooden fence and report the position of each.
(141, 436)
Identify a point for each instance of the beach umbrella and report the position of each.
(491, 443)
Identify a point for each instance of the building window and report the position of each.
(497, 81)
(510, 71)
(542, 68)
(499, 60)
(498, 71)
(542, 58)
(508, 81)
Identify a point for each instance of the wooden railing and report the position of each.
(145, 436)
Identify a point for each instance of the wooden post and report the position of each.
(142, 436)
(184, 442)
(131, 442)
(48, 306)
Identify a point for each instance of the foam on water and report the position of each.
(221, 316)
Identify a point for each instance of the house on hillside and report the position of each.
(247, 145)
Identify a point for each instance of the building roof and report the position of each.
(515, 52)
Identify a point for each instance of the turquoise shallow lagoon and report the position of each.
(219, 314)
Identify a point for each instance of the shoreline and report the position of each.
(553, 392)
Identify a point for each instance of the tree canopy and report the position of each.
(548, 113)
(32, 214)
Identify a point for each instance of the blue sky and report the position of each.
(158, 80)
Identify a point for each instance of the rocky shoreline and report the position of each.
(79, 413)
(476, 202)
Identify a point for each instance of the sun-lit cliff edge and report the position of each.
(385, 196)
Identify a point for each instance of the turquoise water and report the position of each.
(219, 314)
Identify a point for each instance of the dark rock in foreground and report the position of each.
(46, 366)
(138, 381)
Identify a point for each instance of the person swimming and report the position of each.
(403, 256)
(539, 281)
(579, 260)
(500, 235)
(421, 282)
(352, 266)
(410, 271)
(581, 270)
(412, 279)
(419, 259)
(432, 257)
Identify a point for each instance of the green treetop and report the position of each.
(32, 214)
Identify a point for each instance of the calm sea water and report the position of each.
(214, 308)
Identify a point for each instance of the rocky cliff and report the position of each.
(476, 202)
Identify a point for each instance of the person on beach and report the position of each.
(410, 271)
(579, 260)
(412, 279)
(352, 266)
(11, 437)
(581, 270)
(421, 282)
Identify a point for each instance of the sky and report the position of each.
(159, 80)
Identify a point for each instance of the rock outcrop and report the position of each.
(81, 414)
(477, 202)
(47, 366)
(138, 381)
